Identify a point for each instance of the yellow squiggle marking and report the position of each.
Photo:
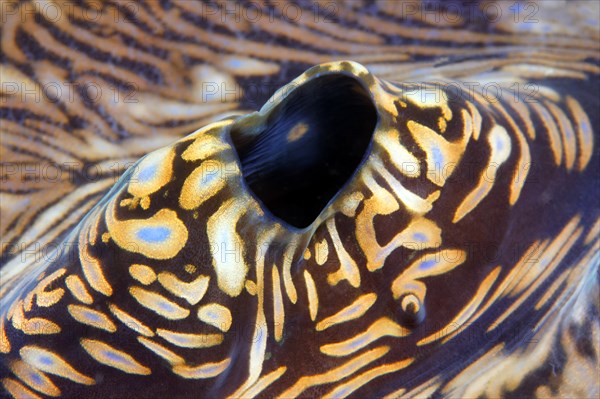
(161, 351)
(512, 285)
(414, 203)
(421, 232)
(379, 329)
(161, 236)
(47, 299)
(351, 312)
(405, 162)
(442, 124)
(350, 203)
(4, 342)
(144, 203)
(15, 313)
(260, 385)
(259, 339)
(422, 98)
(250, 287)
(142, 273)
(188, 340)
(92, 269)
(205, 145)
(321, 252)
(475, 120)
(130, 321)
(425, 390)
(593, 233)
(278, 309)
(539, 265)
(428, 265)
(461, 318)
(524, 162)
(152, 172)
(34, 378)
(348, 269)
(91, 317)
(585, 135)
(78, 290)
(566, 132)
(33, 326)
(159, 304)
(206, 370)
(193, 292)
(44, 298)
(17, 390)
(382, 202)
(190, 269)
(335, 374)
(552, 289)
(51, 363)
(227, 247)
(500, 147)
(467, 123)
(106, 354)
(397, 394)
(537, 274)
(525, 114)
(512, 277)
(347, 388)
(286, 270)
(92, 229)
(442, 156)
(205, 182)
(522, 170)
(28, 300)
(307, 255)
(313, 297)
(216, 315)
(551, 131)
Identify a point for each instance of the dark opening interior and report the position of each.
(308, 147)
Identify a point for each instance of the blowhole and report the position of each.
(307, 148)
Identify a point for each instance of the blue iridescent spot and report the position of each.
(208, 178)
(359, 343)
(146, 174)
(116, 357)
(438, 157)
(166, 306)
(344, 392)
(211, 370)
(92, 316)
(36, 378)
(235, 63)
(211, 315)
(420, 237)
(428, 264)
(499, 143)
(45, 360)
(153, 234)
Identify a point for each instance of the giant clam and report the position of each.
(358, 236)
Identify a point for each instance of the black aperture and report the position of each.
(310, 146)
